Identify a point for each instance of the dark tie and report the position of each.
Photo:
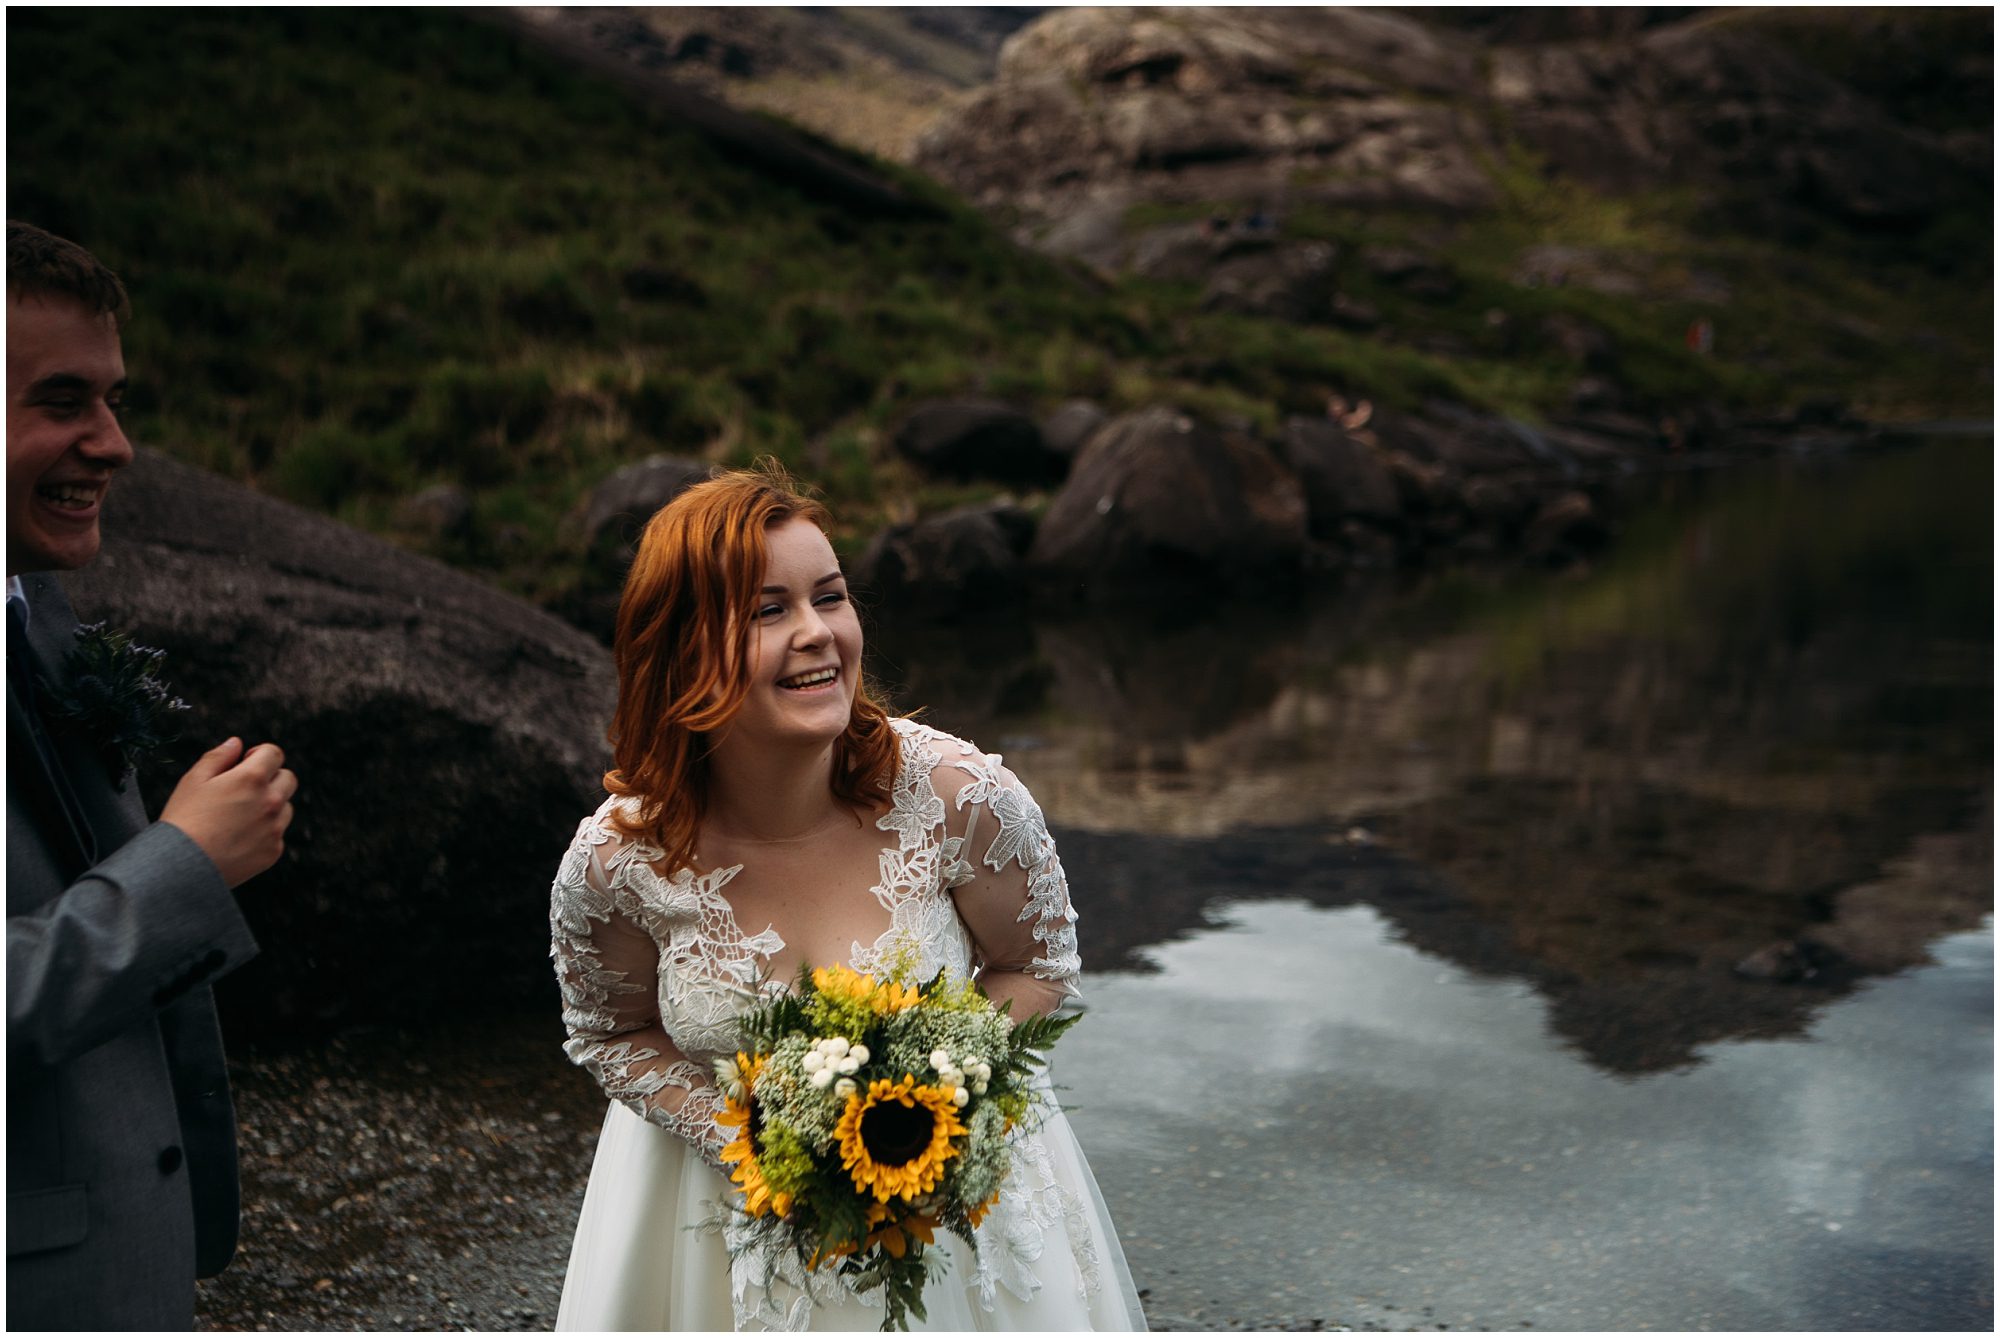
(21, 678)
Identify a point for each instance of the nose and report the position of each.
(104, 442)
(812, 630)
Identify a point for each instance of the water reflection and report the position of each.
(1297, 1117)
(1757, 737)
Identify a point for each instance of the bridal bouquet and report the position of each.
(871, 1113)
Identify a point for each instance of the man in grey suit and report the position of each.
(121, 1142)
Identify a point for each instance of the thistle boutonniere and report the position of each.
(111, 693)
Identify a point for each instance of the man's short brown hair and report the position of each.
(41, 264)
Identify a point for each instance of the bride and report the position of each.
(766, 812)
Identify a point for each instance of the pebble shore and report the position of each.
(404, 1182)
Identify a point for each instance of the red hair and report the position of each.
(683, 654)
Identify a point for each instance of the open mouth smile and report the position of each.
(77, 499)
(812, 678)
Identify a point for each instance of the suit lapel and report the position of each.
(70, 775)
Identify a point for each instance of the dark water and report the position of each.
(1762, 723)
(1597, 949)
(1603, 950)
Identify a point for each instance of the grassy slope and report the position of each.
(372, 250)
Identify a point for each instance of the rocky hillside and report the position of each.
(1285, 108)
(869, 78)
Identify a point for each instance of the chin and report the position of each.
(69, 555)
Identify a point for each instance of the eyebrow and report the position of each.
(779, 589)
(71, 381)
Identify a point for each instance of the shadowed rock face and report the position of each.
(978, 439)
(1093, 110)
(1157, 496)
(959, 564)
(447, 739)
(1240, 105)
(1694, 102)
(609, 524)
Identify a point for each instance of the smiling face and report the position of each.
(805, 644)
(65, 379)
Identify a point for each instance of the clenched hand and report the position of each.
(236, 806)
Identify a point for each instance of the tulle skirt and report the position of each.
(1048, 1258)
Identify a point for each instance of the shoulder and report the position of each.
(598, 828)
(927, 751)
(956, 770)
(919, 741)
(600, 846)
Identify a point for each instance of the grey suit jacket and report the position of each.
(121, 1141)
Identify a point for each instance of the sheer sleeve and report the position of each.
(608, 967)
(1010, 889)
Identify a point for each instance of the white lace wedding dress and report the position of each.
(655, 974)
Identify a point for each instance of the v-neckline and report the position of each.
(915, 812)
(708, 892)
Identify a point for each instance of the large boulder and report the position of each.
(1159, 500)
(1071, 426)
(1344, 477)
(1249, 106)
(947, 566)
(447, 739)
(1464, 442)
(620, 506)
(978, 439)
(608, 525)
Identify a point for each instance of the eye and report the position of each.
(766, 611)
(831, 598)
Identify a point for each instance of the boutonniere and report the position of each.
(110, 692)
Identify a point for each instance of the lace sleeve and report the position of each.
(608, 968)
(1012, 894)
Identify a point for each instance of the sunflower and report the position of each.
(894, 1237)
(896, 1137)
(742, 1113)
(891, 1235)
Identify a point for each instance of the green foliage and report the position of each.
(955, 996)
(829, 1015)
(787, 1163)
(332, 461)
(1040, 1031)
(371, 250)
(780, 1015)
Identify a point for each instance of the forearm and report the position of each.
(1024, 994)
(140, 929)
(645, 1072)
